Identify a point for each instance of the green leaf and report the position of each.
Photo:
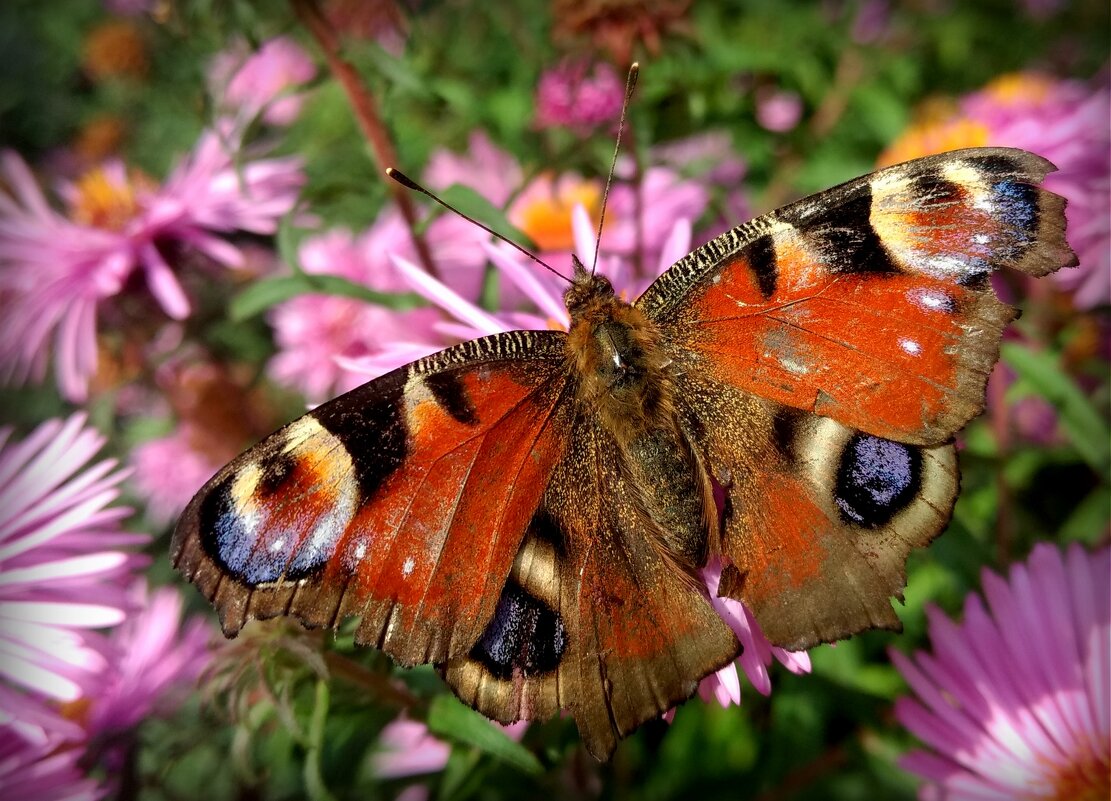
(448, 718)
(261, 295)
(472, 204)
(1088, 521)
(1080, 420)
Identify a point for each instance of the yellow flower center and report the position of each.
(1086, 778)
(76, 710)
(927, 138)
(546, 216)
(104, 201)
(1020, 87)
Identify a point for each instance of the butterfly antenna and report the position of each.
(630, 84)
(409, 183)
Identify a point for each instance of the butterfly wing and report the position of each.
(404, 501)
(593, 619)
(870, 302)
(826, 353)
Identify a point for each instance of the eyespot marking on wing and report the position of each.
(876, 479)
(524, 636)
(281, 517)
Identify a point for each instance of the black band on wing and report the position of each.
(373, 432)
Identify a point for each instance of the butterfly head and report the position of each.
(587, 293)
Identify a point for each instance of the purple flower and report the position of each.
(484, 167)
(724, 686)
(318, 335)
(579, 96)
(1065, 121)
(151, 659)
(1014, 702)
(56, 271)
(37, 754)
(63, 566)
(778, 110)
(408, 748)
(264, 81)
(169, 470)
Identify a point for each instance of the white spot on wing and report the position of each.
(910, 346)
(407, 567)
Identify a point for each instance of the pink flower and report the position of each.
(318, 335)
(264, 81)
(1014, 702)
(152, 658)
(484, 167)
(1065, 121)
(724, 686)
(37, 757)
(56, 271)
(778, 110)
(63, 557)
(579, 96)
(408, 748)
(169, 471)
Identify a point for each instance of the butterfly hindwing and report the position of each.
(403, 501)
(819, 517)
(870, 302)
(593, 620)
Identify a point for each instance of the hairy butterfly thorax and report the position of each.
(623, 380)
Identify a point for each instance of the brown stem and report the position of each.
(366, 114)
(381, 687)
(849, 71)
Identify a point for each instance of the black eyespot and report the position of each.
(876, 479)
(524, 635)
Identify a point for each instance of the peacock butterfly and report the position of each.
(529, 510)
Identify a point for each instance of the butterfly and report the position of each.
(529, 511)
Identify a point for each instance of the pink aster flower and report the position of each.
(1065, 121)
(724, 686)
(579, 96)
(484, 167)
(264, 81)
(778, 110)
(318, 336)
(63, 557)
(169, 470)
(37, 756)
(408, 748)
(55, 271)
(1014, 702)
(152, 660)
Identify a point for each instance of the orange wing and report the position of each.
(404, 501)
(824, 356)
(869, 303)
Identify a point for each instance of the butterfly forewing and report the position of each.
(404, 501)
(869, 303)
